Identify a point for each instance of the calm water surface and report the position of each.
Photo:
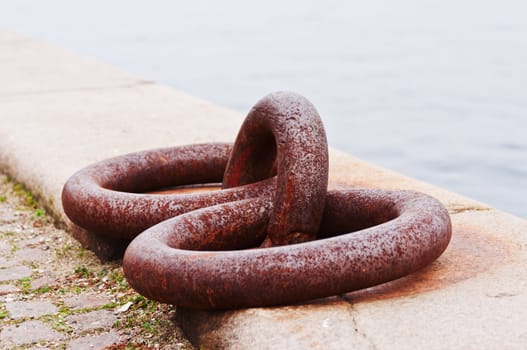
(433, 89)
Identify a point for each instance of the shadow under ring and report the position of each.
(367, 237)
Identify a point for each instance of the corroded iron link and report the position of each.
(284, 134)
(109, 196)
(165, 262)
(272, 235)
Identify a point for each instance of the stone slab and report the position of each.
(471, 297)
(475, 300)
(27, 333)
(86, 301)
(35, 67)
(95, 342)
(324, 324)
(29, 255)
(8, 289)
(15, 273)
(100, 319)
(20, 309)
(44, 281)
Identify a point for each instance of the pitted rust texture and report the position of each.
(168, 267)
(272, 235)
(284, 135)
(107, 196)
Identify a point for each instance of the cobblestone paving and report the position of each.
(56, 295)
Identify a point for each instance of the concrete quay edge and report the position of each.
(60, 112)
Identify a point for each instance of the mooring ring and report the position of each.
(283, 135)
(109, 196)
(205, 254)
(411, 230)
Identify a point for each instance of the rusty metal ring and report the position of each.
(408, 231)
(107, 196)
(283, 135)
(398, 232)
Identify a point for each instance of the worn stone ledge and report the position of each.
(60, 112)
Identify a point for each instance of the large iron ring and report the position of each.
(178, 262)
(272, 235)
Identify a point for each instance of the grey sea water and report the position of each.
(436, 90)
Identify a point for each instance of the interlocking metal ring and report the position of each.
(110, 196)
(272, 235)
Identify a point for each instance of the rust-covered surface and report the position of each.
(272, 235)
(164, 263)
